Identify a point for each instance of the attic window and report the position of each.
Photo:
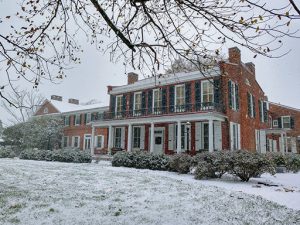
(247, 82)
(46, 110)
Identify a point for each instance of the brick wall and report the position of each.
(51, 109)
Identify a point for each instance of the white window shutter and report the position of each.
(102, 141)
(123, 137)
(95, 141)
(218, 135)
(262, 136)
(171, 137)
(231, 135)
(239, 135)
(198, 136)
(142, 138)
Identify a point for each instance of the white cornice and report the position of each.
(168, 79)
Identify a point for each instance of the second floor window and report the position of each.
(88, 117)
(275, 123)
(137, 101)
(77, 119)
(251, 105)
(179, 97)
(67, 120)
(157, 100)
(286, 122)
(233, 95)
(119, 103)
(207, 91)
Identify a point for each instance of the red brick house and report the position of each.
(77, 120)
(284, 132)
(223, 108)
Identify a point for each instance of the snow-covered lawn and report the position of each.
(33, 192)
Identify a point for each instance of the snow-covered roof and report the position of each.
(284, 106)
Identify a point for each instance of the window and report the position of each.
(136, 137)
(286, 121)
(251, 105)
(179, 98)
(75, 142)
(137, 102)
(77, 119)
(235, 136)
(233, 95)
(46, 110)
(100, 141)
(67, 120)
(207, 92)
(118, 137)
(275, 123)
(157, 100)
(119, 104)
(66, 141)
(88, 117)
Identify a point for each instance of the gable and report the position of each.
(46, 108)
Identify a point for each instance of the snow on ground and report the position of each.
(33, 192)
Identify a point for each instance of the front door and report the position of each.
(87, 141)
(158, 141)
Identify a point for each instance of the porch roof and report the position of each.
(163, 119)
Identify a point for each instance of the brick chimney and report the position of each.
(132, 78)
(234, 55)
(251, 67)
(56, 98)
(73, 101)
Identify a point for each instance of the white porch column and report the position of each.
(152, 137)
(93, 141)
(110, 138)
(178, 137)
(285, 143)
(282, 144)
(129, 138)
(210, 136)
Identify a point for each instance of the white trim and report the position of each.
(73, 141)
(282, 125)
(175, 95)
(134, 98)
(75, 120)
(163, 119)
(116, 103)
(275, 123)
(68, 141)
(102, 141)
(160, 96)
(210, 82)
(84, 140)
(165, 80)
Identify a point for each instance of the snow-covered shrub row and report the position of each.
(141, 160)
(6, 153)
(63, 155)
(242, 164)
(290, 161)
(181, 163)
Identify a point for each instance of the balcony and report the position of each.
(164, 110)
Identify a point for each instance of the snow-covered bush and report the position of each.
(278, 158)
(181, 163)
(293, 163)
(212, 165)
(6, 153)
(141, 160)
(247, 165)
(64, 155)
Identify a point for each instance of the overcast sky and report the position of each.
(279, 78)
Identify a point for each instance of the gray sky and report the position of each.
(279, 78)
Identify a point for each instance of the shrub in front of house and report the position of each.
(212, 165)
(6, 153)
(293, 163)
(247, 165)
(63, 155)
(141, 160)
(181, 163)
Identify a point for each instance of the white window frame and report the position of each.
(262, 111)
(235, 136)
(67, 144)
(73, 142)
(77, 115)
(202, 90)
(115, 137)
(97, 141)
(182, 97)
(275, 123)
(134, 103)
(251, 105)
(117, 110)
(159, 100)
(233, 95)
(139, 138)
(67, 118)
(88, 118)
(282, 124)
(87, 136)
(46, 110)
